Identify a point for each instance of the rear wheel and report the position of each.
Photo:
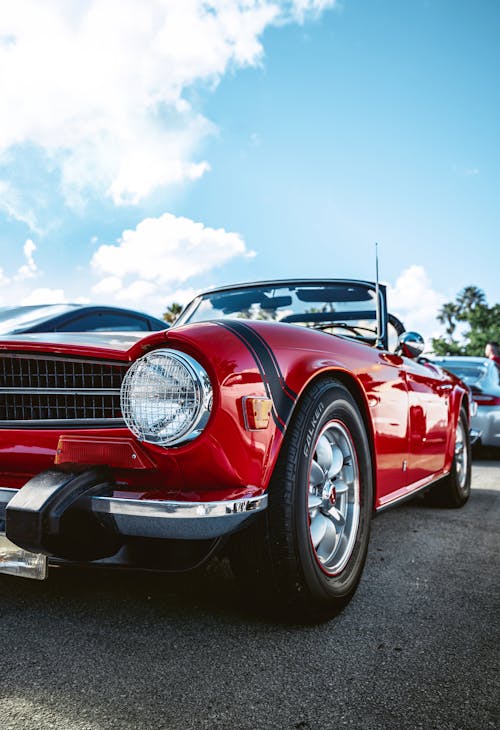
(306, 554)
(454, 490)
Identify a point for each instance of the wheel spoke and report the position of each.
(337, 461)
(313, 501)
(324, 454)
(341, 487)
(328, 543)
(337, 518)
(317, 475)
(319, 526)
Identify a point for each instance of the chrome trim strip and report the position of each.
(177, 510)
(65, 423)
(176, 520)
(406, 497)
(61, 391)
(35, 355)
(165, 519)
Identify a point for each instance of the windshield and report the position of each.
(469, 373)
(341, 308)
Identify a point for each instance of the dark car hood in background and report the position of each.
(105, 340)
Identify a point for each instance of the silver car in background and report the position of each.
(483, 378)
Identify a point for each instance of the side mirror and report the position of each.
(411, 344)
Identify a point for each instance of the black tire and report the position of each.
(275, 559)
(454, 490)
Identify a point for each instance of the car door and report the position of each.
(387, 391)
(429, 393)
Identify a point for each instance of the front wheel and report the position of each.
(306, 554)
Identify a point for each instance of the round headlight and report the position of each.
(166, 397)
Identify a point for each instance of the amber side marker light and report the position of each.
(256, 412)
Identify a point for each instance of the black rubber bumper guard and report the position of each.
(52, 514)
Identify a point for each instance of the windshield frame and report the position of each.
(192, 307)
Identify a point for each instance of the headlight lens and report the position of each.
(166, 398)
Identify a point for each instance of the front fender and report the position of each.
(250, 358)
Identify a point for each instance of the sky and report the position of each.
(150, 149)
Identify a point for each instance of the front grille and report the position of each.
(41, 390)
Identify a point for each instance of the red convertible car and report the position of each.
(272, 421)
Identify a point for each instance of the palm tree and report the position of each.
(469, 299)
(173, 311)
(447, 316)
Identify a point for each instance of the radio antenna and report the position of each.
(378, 342)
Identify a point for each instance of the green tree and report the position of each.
(471, 308)
(448, 315)
(173, 311)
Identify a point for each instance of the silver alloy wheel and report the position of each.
(461, 456)
(333, 497)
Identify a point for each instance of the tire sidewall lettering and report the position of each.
(311, 432)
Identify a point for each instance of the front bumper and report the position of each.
(165, 520)
(70, 515)
(162, 519)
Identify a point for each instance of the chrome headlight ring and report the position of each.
(166, 398)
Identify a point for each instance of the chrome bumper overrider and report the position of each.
(162, 519)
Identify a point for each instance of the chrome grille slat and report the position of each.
(53, 390)
(61, 391)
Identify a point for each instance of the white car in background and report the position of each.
(483, 378)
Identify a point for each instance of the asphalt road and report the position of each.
(418, 647)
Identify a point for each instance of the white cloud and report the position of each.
(181, 296)
(162, 298)
(12, 203)
(4, 280)
(140, 294)
(100, 87)
(109, 285)
(300, 8)
(136, 292)
(168, 249)
(29, 269)
(45, 296)
(147, 265)
(414, 300)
